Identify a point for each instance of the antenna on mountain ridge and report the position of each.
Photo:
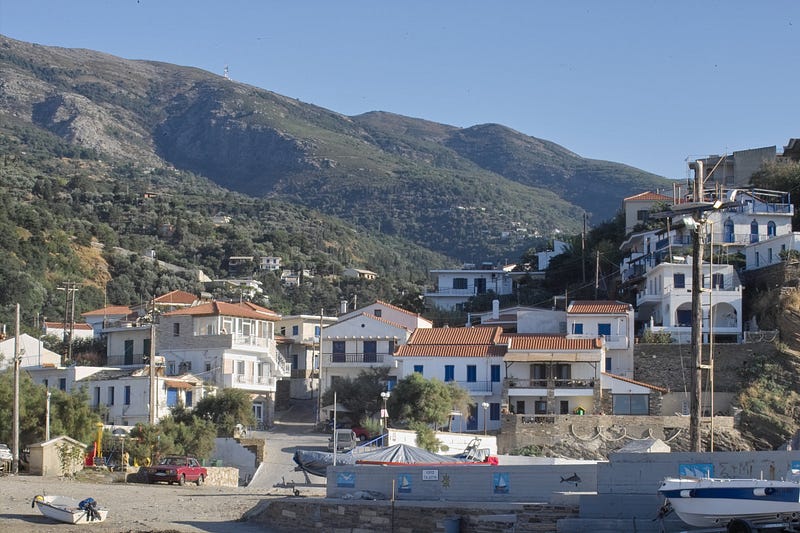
(225, 73)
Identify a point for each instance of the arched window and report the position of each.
(754, 231)
(770, 229)
(728, 231)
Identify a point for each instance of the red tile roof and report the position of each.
(60, 325)
(456, 336)
(649, 195)
(597, 307)
(242, 310)
(176, 297)
(640, 383)
(453, 342)
(441, 350)
(551, 342)
(110, 310)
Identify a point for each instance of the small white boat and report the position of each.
(715, 502)
(70, 510)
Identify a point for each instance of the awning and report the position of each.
(177, 384)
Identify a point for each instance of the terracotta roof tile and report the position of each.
(110, 310)
(176, 297)
(456, 336)
(226, 309)
(60, 325)
(598, 307)
(640, 383)
(441, 350)
(552, 342)
(649, 195)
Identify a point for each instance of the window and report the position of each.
(495, 371)
(338, 355)
(472, 373)
(176, 329)
(577, 328)
(295, 360)
(378, 312)
(564, 407)
(96, 401)
(128, 351)
(459, 283)
(679, 280)
(718, 281)
(770, 229)
(727, 232)
(370, 352)
(539, 371)
(391, 347)
(391, 381)
(172, 397)
(642, 215)
(520, 407)
(608, 364)
(295, 330)
(480, 285)
(62, 384)
(754, 231)
(540, 407)
(449, 372)
(44, 382)
(127, 396)
(146, 343)
(111, 396)
(684, 317)
(563, 371)
(604, 329)
(494, 411)
(631, 404)
(208, 367)
(188, 398)
(283, 331)
(418, 369)
(240, 368)
(316, 331)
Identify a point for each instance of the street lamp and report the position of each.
(47, 418)
(485, 406)
(385, 414)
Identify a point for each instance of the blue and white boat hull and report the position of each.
(713, 502)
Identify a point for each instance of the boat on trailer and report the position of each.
(70, 510)
(734, 503)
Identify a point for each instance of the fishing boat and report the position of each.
(717, 502)
(70, 510)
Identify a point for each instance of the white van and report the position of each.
(346, 439)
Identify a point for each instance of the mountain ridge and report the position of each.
(481, 192)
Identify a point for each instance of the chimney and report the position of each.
(342, 307)
(495, 309)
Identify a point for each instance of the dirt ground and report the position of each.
(133, 507)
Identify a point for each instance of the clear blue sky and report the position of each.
(641, 82)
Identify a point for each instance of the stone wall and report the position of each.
(519, 431)
(342, 516)
(222, 476)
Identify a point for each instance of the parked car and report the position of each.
(363, 434)
(345, 440)
(5, 453)
(177, 469)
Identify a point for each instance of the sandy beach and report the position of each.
(133, 507)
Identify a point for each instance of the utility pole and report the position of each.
(153, 390)
(583, 248)
(697, 326)
(69, 288)
(597, 274)
(15, 423)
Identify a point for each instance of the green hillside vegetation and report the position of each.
(473, 194)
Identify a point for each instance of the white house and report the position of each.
(637, 208)
(100, 318)
(31, 351)
(79, 330)
(611, 320)
(122, 394)
(359, 273)
(227, 345)
(392, 313)
(543, 258)
(454, 287)
(522, 319)
(470, 357)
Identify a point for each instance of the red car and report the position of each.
(177, 468)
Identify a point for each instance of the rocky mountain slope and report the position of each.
(472, 193)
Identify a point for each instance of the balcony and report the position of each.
(356, 358)
(248, 382)
(477, 387)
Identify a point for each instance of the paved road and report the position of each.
(294, 428)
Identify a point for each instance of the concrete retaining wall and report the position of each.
(359, 516)
(472, 482)
(217, 476)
